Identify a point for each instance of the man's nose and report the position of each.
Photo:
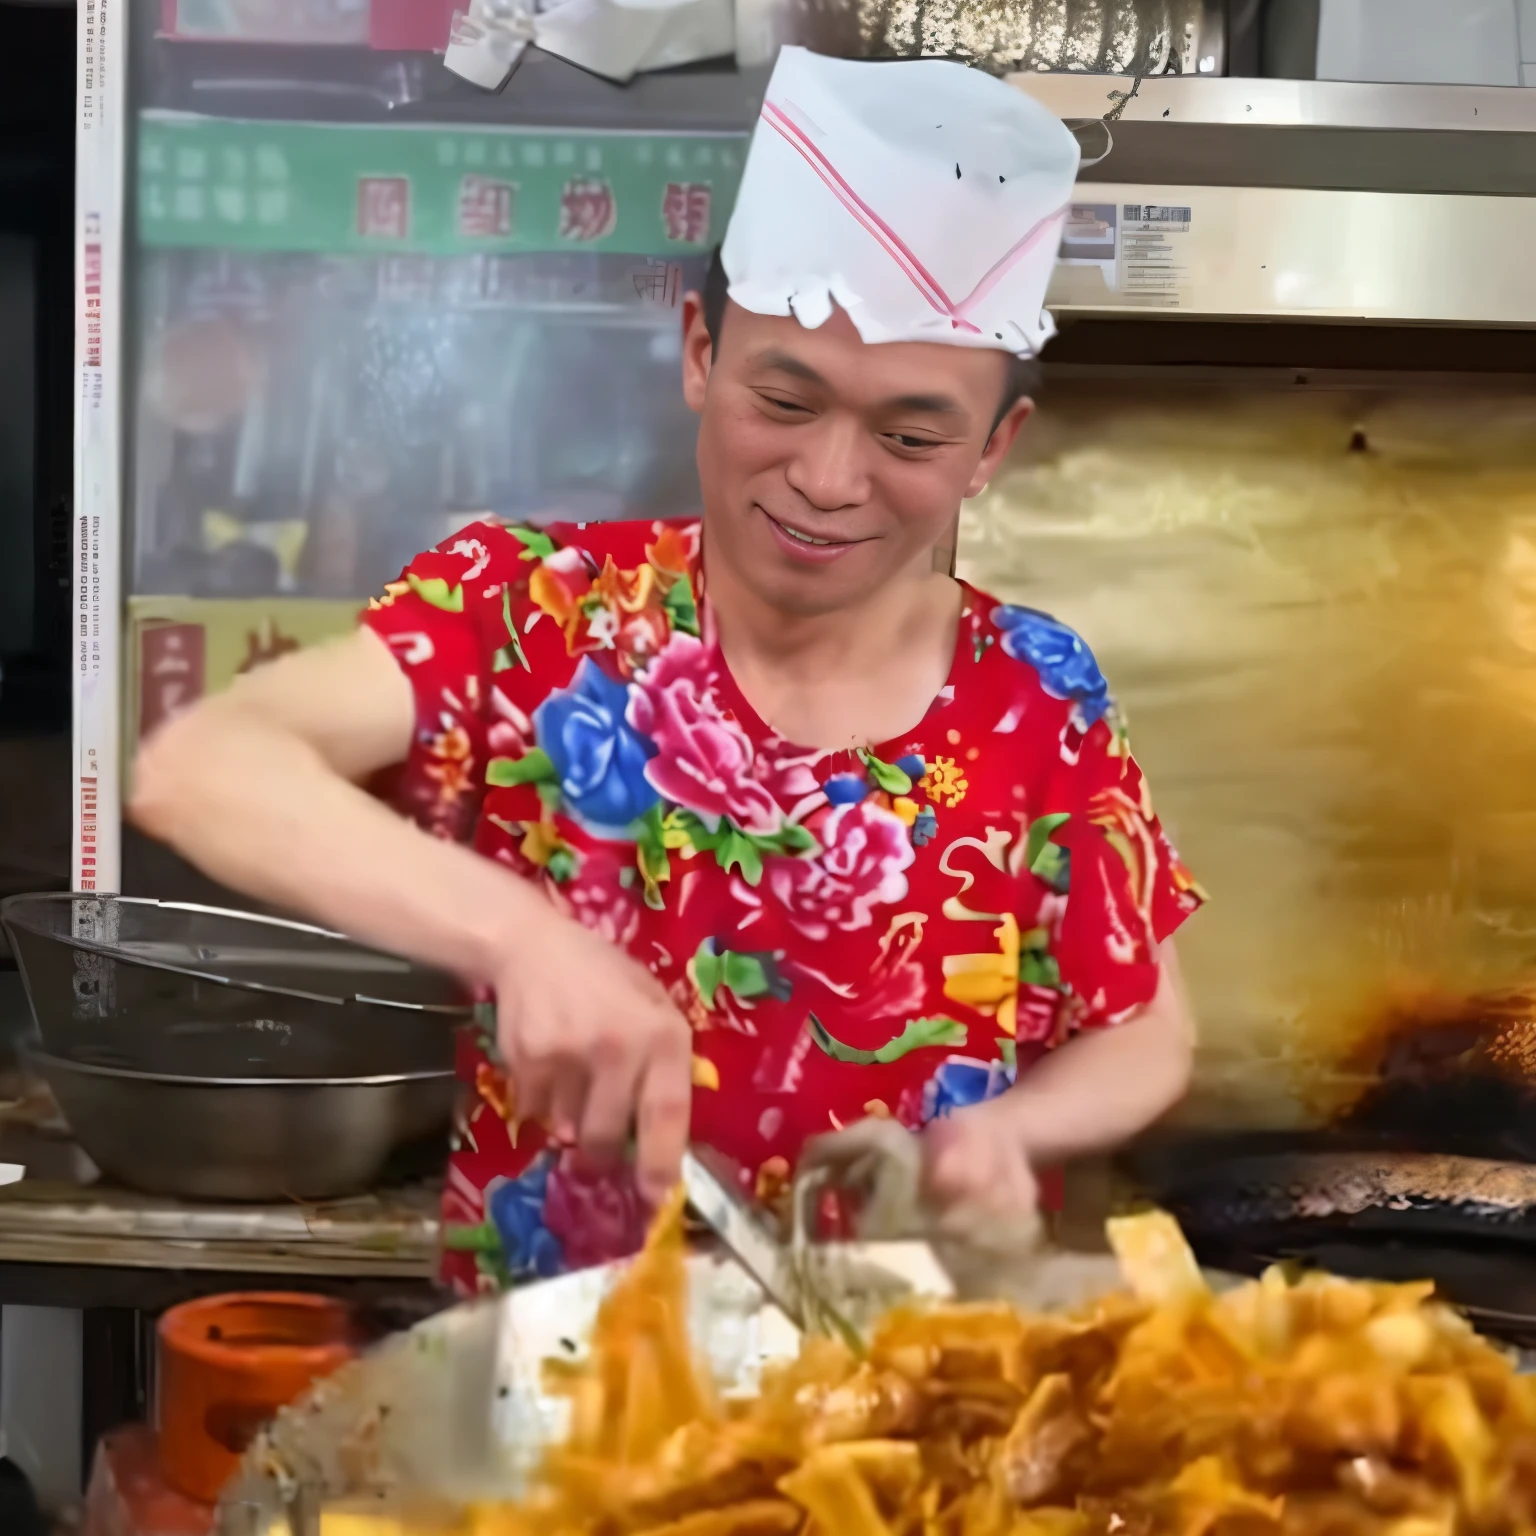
(827, 467)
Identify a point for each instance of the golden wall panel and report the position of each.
(1319, 611)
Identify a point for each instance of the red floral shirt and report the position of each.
(898, 931)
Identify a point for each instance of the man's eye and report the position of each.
(903, 440)
(793, 407)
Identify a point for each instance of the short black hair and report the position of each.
(1022, 380)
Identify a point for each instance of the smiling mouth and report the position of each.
(806, 538)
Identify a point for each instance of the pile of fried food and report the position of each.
(1316, 1406)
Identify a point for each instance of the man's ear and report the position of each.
(698, 352)
(1004, 434)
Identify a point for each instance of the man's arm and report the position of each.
(1089, 1095)
(259, 788)
(1102, 1088)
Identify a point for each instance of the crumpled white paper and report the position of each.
(614, 38)
(924, 198)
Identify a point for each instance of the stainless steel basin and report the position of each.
(223, 1055)
(247, 1138)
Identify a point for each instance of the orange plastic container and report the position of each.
(227, 1364)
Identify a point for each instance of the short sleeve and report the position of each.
(446, 621)
(1127, 890)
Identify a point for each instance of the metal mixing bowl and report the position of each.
(222, 1055)
(246, 1138)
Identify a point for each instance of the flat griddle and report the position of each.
(1361, 1209)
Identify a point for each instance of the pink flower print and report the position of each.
(704, 759)
(862, 866)
(789, 773)
(600, 903)
(597, 1214)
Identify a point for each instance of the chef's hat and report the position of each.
(924, 198)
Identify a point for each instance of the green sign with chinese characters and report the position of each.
(442, 191)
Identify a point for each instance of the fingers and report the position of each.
(596, 1065)
(610, 1108)
(951, 1172)
(665, 1100)
(569, 1102)
(973, 1164)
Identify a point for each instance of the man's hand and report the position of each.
(596, 1049)
(933, 1185)
(974, 1160)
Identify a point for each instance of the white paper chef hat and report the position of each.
(924, 198)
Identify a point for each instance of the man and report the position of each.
(827, 835)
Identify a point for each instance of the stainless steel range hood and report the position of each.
(1301, 201)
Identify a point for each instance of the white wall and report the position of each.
(1429, 42)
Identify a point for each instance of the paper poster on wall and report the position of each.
(1091, 238)
(1154, 266)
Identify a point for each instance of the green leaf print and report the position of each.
(477, 1239)
(1037, 965)
(511, 654)
(495, 1267)
(745, 974)
(676, 833)
(564, 865)
(536, 545)
(917, 1035)
(533, 767)
(886, 776)
(434, 590)
(1008, 1052)
(735, 849)
(1045, 859)
(681, 608)
(795, 839)
(651, 856)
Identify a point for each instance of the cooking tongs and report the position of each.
(832, 1289)
(745, 1233)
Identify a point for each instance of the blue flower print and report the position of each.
(515, 1208)
(962, 1081)
(1060, 655)
(597, 755)
(846, 789)
(925, 828)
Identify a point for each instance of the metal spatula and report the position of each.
(745, 1234)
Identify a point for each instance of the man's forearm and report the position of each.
(260, 810)
(1099, 1090)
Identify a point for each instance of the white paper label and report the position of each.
(101, 59)
(1153, 261)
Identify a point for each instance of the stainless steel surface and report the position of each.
(246, 1138)
(745, 1235)
(1476, 109)
(1305, 200)
(457, 1409)
(244, 949)
(1273, 253)
(197, 992)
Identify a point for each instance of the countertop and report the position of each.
(60, 1212)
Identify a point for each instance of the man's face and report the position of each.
(831, 468)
